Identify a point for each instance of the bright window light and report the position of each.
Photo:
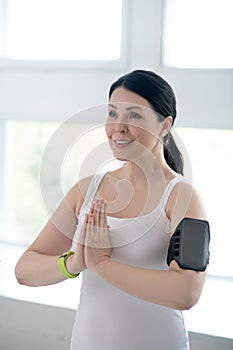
(23, 212)
(64, 30)
(198, 33)
(211, 154)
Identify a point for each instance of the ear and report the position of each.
(167, 123)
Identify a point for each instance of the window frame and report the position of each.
(79, 65)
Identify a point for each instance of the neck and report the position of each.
(145, 168)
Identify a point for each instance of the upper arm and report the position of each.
(184, 201)
(56, 236)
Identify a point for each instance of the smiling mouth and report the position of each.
(122, 142)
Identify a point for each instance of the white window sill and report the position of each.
(211, 315)
(62, 65)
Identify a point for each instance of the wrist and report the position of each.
(101, 266)
(71, 265)
(62, 264)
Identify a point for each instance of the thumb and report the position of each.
(82, 235)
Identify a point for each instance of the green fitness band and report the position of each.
(62, 265)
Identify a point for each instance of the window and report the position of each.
(23, 146)
(211, 154)
(24, 209)
(24, 212)
(198, 34)
(50, 30)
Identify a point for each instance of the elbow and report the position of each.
(19, 274)
(188, 300)
(23, 270)
(188, 303)
(191, 289)
(181, 301)
(184, 305)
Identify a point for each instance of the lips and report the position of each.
(121, 142)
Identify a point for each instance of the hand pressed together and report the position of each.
(97, 241)
(94, 244)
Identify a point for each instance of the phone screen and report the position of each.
(193, 243)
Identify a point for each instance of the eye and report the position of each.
(135, 115)
(112, 114)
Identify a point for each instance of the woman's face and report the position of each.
(132, 127)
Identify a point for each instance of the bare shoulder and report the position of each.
(185, 201)
(77, 193)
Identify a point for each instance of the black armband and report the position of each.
(189, 245)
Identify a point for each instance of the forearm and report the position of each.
(170, 288)
(35, 269)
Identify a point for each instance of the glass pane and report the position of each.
(23, 212)
(64, 30)
(198, 34)
(211, 154)
(23, 208)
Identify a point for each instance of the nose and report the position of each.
(120, 128)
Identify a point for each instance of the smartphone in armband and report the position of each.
(189, 245)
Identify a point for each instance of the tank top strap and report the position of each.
(93, 187)
(169, 189)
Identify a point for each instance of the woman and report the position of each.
(130, 298)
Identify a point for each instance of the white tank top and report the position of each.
(111, 319)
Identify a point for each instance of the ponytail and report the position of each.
(172, 154)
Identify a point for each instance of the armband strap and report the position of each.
(189, 245)
(62, 265)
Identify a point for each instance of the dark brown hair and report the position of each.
(161, 97)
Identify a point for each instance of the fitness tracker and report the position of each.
(189, 245)
(62, 265)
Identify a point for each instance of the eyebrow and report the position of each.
(127, 108)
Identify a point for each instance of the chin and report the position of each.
(122, 159)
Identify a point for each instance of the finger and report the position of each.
(90, 230)
(105, 239)
(105, 215)
(82, 235)
(96, 213)
(102, 215)
(91, 211)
